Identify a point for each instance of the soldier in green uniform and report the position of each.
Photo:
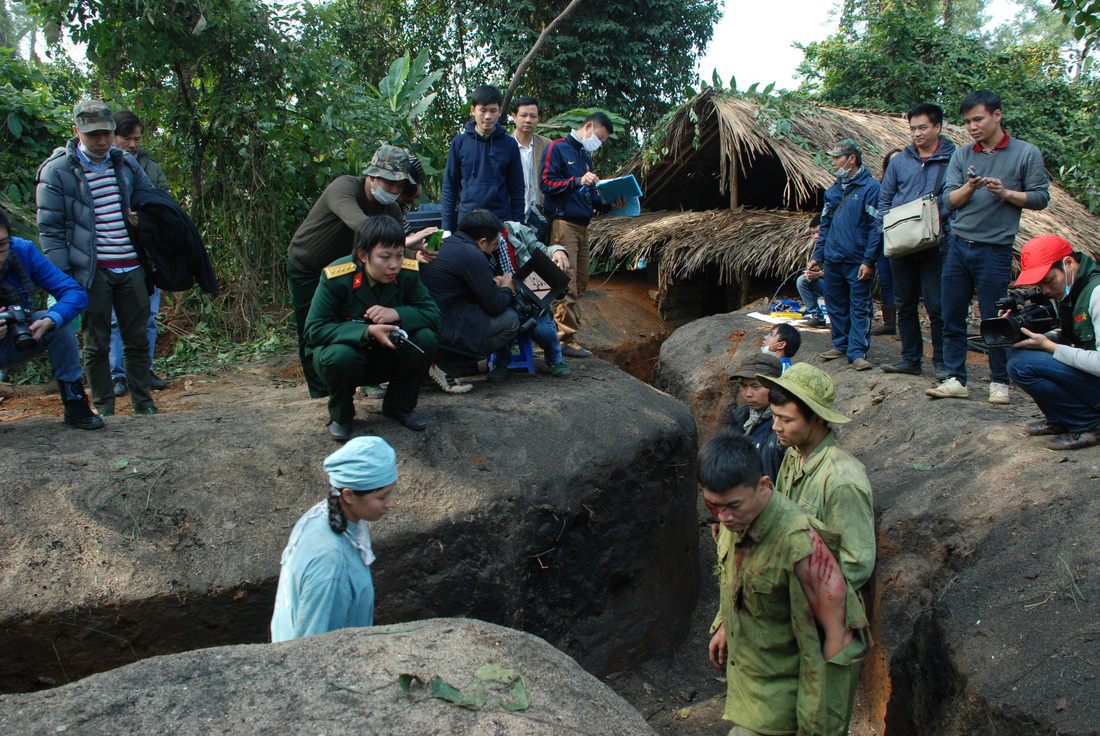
(790, 630)
(359, 302)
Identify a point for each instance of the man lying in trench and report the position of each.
(790, 630)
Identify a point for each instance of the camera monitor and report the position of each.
(539, 283)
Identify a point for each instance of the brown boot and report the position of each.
(889, 324)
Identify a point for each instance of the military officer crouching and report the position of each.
(361, 300)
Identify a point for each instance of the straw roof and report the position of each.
(719, 143)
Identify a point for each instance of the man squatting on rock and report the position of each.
(1060, 369)
(790, 630)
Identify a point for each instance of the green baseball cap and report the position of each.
(810, 384)
(391, 163)
(846, 147)
(92, 115)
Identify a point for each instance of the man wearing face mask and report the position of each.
(329, 228)
(569, 184)
(1059, 370)
(848, 247)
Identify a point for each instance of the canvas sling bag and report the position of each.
(913, 226)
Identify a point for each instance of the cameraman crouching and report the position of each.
(25, 334)
(1059, 370)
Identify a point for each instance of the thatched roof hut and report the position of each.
(738, 179)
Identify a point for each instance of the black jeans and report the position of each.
(919, 275)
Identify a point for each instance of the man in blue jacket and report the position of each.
(916, 172)
(569, 184)
(848, 247)
(484, 170)
(22, 270)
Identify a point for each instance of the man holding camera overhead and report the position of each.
(1059, 370)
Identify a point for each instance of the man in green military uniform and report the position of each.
(817, 473)
(359, 304)
(790, 630)
(327, 234)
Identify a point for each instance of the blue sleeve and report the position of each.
(71, 298)
(871, 222)
(887, 190)
(555, 178)
(452, 180)
(516, 187)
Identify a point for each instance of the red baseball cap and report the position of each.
(1039, 255)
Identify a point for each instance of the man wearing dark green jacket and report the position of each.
(359, 303)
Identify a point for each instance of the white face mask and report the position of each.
(381, 196)
(592, 143)
(765, 350)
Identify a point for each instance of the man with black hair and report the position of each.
(569, 184)
(754, 417)
(790, 631)
(1060, 369)
(917, 171)
(988, 186)
(823, 478)
(782, 342)
(476, 305)
(23, 270)
(129, 136)
(811, 284)
(848, 248)
(532, 147)
(483, 166)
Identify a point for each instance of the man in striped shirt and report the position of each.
(83, 196)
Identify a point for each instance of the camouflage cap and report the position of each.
(391, 163)
(846, 147)
(810, 384)
(92, 115)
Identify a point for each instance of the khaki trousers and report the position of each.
(567, 311)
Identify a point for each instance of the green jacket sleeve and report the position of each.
(326, 323)
(419, 310)
(850, 512)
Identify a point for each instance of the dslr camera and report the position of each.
(1026, 308)
(18, 321)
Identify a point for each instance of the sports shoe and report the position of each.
(120, 386)
(942, 374)
(815, 321)
(339, 432)
(156, 383)
(574, 349)
(832, 354)
(901, 366)
(1076, 440)
(998, 393)
(447, 383)
(410, 419)
(1045, 427)
(499, 374)
(374, 392)
(146, 412)
(860, 364)
(949, 389)
(560, 370)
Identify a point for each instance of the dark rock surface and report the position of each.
(560, 507)
(986, 595)
(344, 682)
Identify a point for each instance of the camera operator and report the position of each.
(22, 270)
(1059, 370)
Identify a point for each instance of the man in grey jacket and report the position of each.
(83, 195)
(988, 185)
(917, 171)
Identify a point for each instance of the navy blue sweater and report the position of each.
(482, 173)
(564, 164)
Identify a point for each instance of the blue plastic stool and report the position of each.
(525, 359)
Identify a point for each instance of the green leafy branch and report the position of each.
(475, 695)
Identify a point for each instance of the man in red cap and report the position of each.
(1059, 370)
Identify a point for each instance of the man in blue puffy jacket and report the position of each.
(848, 247)
(23, 270)
(484, 170)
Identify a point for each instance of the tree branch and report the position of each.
(534, 50)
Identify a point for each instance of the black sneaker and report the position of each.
(816, 321)
(901, 366)
(156, 383)
(339, 432)
(410, 419)
(120, 386)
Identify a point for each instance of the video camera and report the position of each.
(1027, 308)
(539, 283)
(18, 321)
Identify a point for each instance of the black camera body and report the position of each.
(1027, 308)
(18, 321)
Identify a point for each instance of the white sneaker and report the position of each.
(447, 383)
(949, 389)
(998, 393)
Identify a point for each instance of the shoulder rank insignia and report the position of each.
(342, 269)
(411, 264)
(357, 281)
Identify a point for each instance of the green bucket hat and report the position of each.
(812, 386)
(92, 115)
(391, 163)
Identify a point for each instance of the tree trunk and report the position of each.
(534, 50)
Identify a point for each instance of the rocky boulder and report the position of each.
(345, 682)
(986, 595)
(560, 507)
